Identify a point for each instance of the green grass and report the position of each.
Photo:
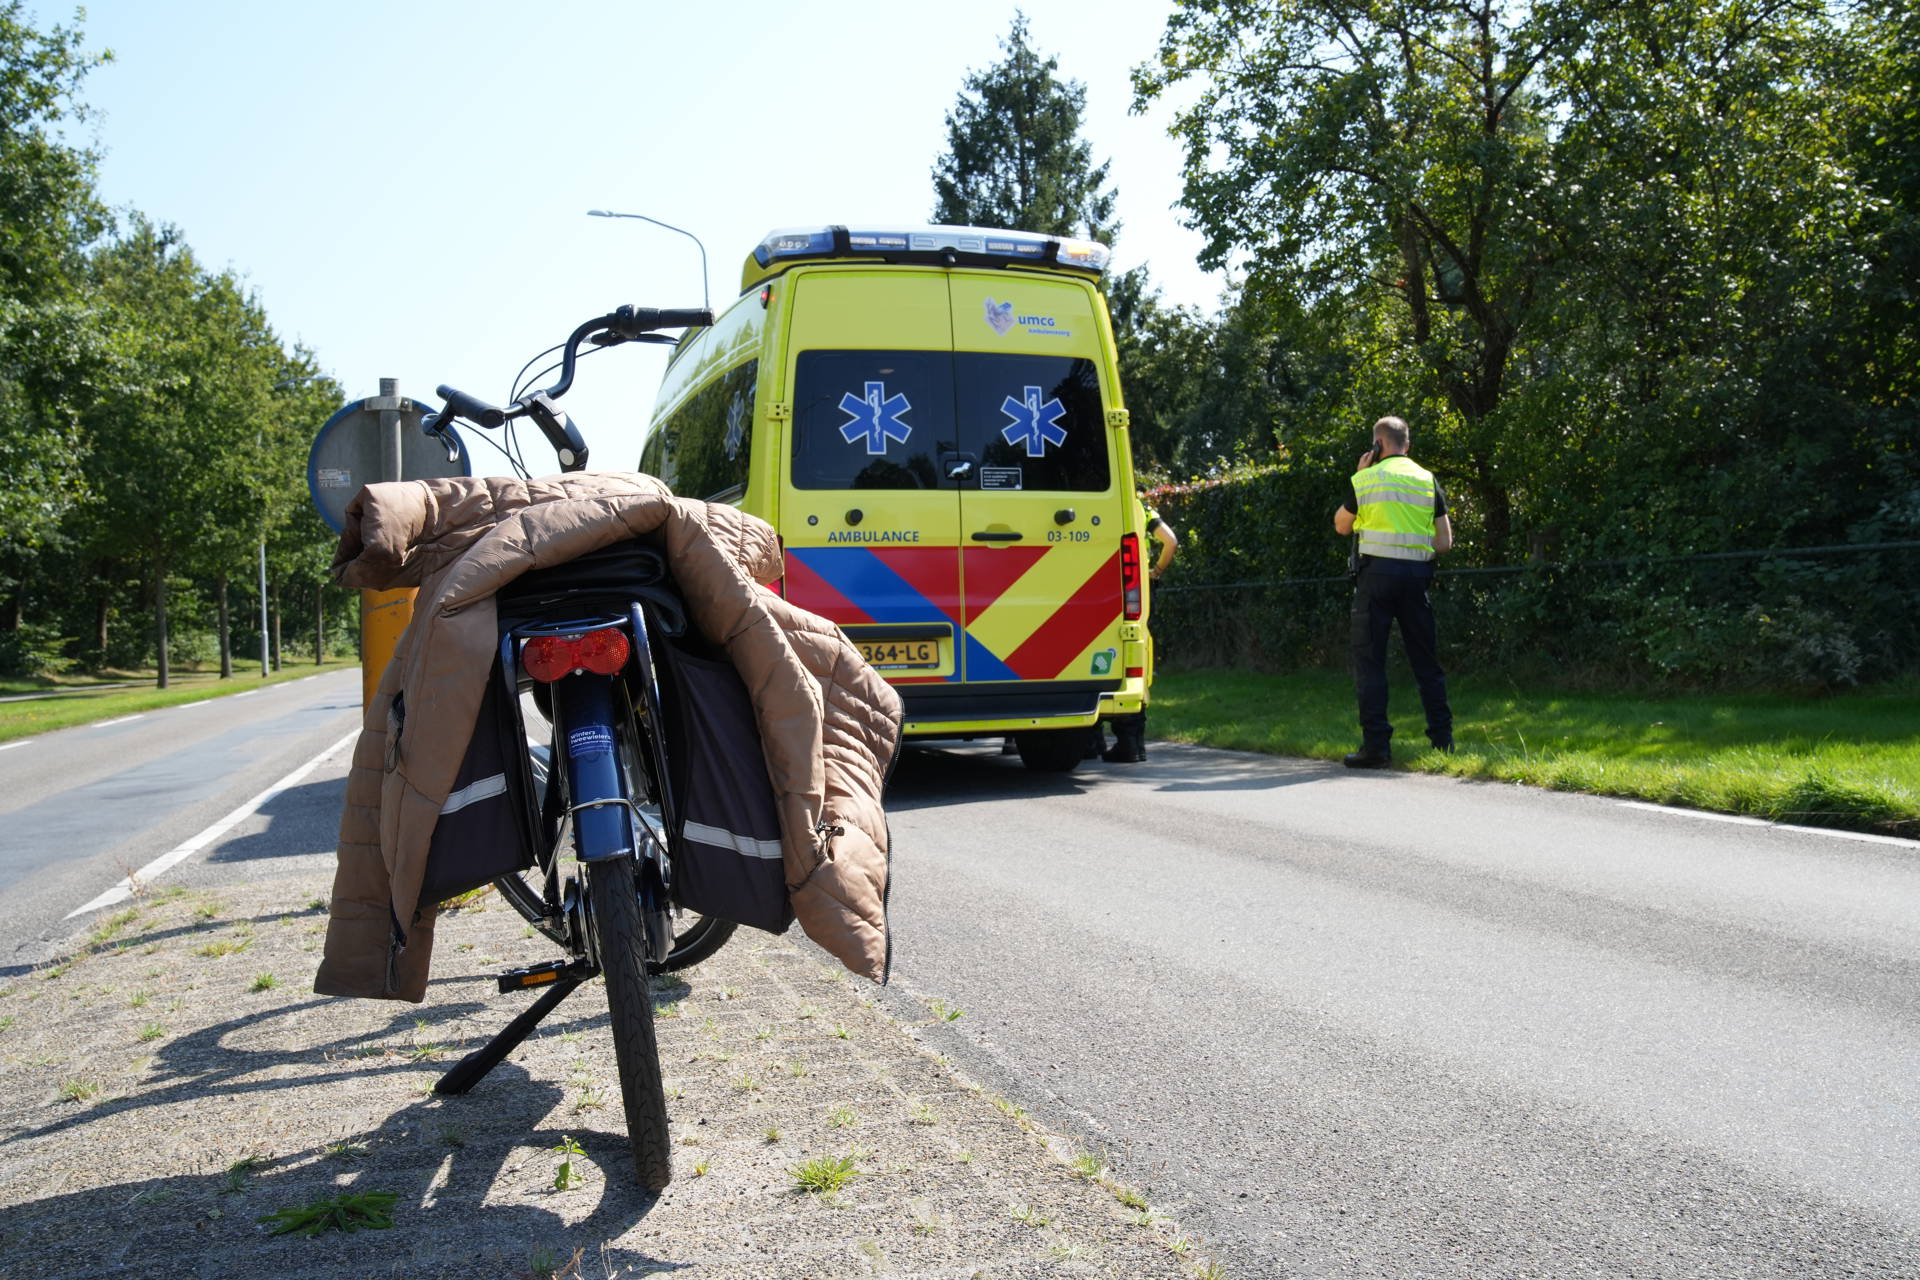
(42, 715)
(1849, 760)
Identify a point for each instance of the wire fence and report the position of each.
(1800, 617)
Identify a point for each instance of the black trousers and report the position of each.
(1381, 599)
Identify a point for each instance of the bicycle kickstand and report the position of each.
(473, 1068)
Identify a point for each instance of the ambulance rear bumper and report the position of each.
(948, 710)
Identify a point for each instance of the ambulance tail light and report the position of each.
(1130, 595)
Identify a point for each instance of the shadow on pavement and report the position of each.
(301, 821)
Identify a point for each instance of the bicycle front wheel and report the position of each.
(621, 944)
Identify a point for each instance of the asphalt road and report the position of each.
(81, 807)
(1391, 1025)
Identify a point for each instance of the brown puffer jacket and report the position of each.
(829, 724)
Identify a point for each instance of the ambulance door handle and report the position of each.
(996, 535)
(959, 470)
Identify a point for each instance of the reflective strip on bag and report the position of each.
(474, 792)
(721, 838)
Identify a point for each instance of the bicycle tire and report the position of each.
(691, 945)
(621, 945)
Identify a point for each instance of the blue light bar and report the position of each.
(979, 244)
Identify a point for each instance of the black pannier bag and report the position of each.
(477, 838)
(726, 850)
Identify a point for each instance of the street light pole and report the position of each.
(706, 293)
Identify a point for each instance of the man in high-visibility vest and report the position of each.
(1400, 516)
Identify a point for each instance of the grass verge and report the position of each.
(1849, 760)
(43, 715)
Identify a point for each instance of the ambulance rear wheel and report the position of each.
(1051, 750)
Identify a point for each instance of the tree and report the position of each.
(47, 349)
(1591, 247)
(1015, 158)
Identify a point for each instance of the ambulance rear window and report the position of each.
(905, 419)
(1038, 417)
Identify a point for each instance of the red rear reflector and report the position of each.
(547, 658)
(1134, 673)
(1130, 576)
(602, 652)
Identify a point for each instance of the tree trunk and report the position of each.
(319, 623)
(160, 623)
(226, 631)
(102, 617)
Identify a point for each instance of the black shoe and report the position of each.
(1443, 745)
(1364, 759)
(1117, 754)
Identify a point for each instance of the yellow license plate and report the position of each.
(900, 655)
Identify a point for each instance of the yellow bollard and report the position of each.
(383, 616)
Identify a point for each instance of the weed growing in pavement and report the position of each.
(1132, 1197)
(566, 1177)
(208, 910)
(349, 1213)
(568, 1037)
(811, 1011)
(264, 982)
(944, 1012)
(138, 1000)
(453, 1135)
(426, 1052)
(842, 1118)
(732, 993)
(747, 1084)
(923, 1113)
(79, 1089)
(675, 1092)
(6, 1021)
(841, 1033)
(234, 1181)
(152, 1195)
(109, 929)
(316, 904)
(764, 1033)
(1027, 1214)
(824, 1175)
(1087, 1165)
(963, 1156)
(924, 1221)
(345, 1151)
(1209, 1270)
(544, 1264)
(1180, 1245)
(222, 947)
(589, 1100)
(671, 1009)
(1066, 1250)
(701, 1169)
(151, 1032)
(772, 1135)
(797, 1069)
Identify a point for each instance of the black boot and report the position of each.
(1368, 758)
(1129, 740)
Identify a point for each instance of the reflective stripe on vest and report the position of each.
(1395, 516)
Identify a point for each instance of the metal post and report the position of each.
(384, 615)
(263, 608)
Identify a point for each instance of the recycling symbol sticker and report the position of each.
(1037, 424)
(875, 417)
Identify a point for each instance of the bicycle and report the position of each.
(583, 640)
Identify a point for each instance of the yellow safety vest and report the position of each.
(1395, 516)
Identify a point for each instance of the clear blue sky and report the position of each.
(404, 184)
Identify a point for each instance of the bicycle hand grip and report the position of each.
(474, 410)
(631, 322)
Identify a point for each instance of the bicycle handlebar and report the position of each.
(625, 325)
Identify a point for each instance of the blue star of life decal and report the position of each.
(1037, 424)
(876, 417)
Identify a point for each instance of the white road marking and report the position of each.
(124, 890)
(248, 694)
(101, 724)
(1835, 832)
(203, 702)
(8, 746)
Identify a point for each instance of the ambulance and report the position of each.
(931, 418)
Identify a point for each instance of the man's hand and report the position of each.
(1366, 460)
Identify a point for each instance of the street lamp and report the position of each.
(706, 295)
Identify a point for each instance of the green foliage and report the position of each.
(348, 1213)
(1014, 156)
